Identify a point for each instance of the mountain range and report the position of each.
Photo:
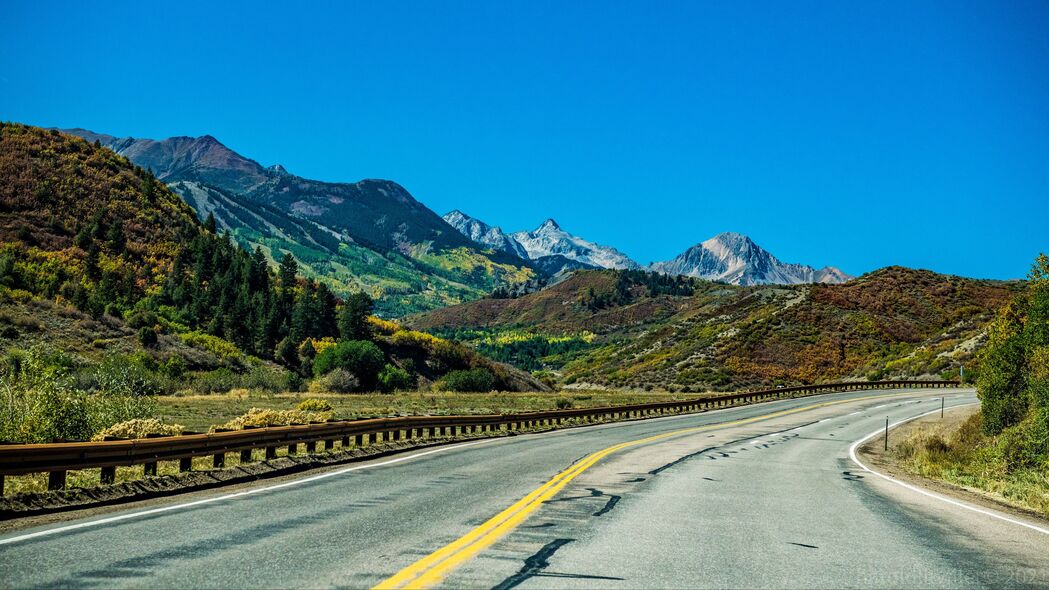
(727, 257)
(371, 235)
(374, 235)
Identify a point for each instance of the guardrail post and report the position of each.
(185, 464)
(108, 475)
(56, 480)
(271, 453)
(311, 447)
(219, 461)
(149, 469)
(345, 441)
(245, 456)
(1, 485)
(397, 434)
(293, 449)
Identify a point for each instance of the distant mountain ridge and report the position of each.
(552, 248)
(734, 258)
(378, 213)
(370, 235)
(550, 240)
(727, 257)
(485, 234)
(382, 217)
(494, 237)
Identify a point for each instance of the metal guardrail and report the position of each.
(58, 458)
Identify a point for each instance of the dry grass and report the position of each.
(200, 412)
(960, 453)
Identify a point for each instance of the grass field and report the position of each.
(200, 412)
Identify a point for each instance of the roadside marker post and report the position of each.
(886, 433)
(941, 407)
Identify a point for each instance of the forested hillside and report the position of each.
(370, 235)
(634, 329)
(112, 291)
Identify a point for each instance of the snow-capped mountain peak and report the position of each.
(484, 234)
(550, 240)
(735, 258)
(549, 225)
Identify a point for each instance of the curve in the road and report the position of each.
(855, 459)
(433, 568)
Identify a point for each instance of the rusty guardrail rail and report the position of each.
(58, 458)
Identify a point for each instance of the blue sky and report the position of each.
(856, 134)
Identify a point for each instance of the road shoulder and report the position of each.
(874, 455)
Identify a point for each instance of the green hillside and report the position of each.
(370, 235)
(111, 291)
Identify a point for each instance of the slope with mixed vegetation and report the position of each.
(631, 329)
(112, 292)
(1003, 449)
(370, 235)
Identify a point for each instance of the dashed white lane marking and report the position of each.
(992, 514)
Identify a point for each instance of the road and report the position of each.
(755, 496)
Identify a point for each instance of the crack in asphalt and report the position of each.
(536, 564)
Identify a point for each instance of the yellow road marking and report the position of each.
(433, 568)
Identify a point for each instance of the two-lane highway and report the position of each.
(762, 495)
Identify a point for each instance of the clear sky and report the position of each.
(856, 134)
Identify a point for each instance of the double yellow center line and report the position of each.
(433, 568)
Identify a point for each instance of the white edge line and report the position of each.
(852, 455)
(287, 484)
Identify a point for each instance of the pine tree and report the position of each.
(326, 322)
(115, 237)
(288, 269)
(353, 317)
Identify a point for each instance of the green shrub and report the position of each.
(218, 380)
(472, 380)
(270, 378)
(393, 378)
(360, 357)
(147, 336)
(563, 403)
(44, 399)
(142, 318)
(337, 381)
(174, 367)
(127, 376)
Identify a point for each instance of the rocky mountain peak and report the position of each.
(735, 258)
(548, 226)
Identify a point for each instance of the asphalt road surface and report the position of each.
(756, 496)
